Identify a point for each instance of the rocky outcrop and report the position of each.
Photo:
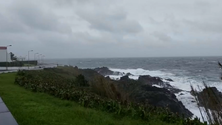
(124, 78)
(149, 80)
(170, 80)
(145, 79)
(106, 71)
(210, 98)
(161, 97)
(145, 93)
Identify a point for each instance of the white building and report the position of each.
(4, 55)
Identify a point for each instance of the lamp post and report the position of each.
(28, 57)
(39, 56)
(25, 58)
(6, 62)
(35, 56)
(36, 59)
(43, 58)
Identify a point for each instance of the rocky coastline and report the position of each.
(151, 90)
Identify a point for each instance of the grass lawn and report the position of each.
(31, 108)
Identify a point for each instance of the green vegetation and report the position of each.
(99, 101)
(29, 65)
(19, 63)
(31, 108)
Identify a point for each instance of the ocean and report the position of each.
(184, 71)
(194, 68)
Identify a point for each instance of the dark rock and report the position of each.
(141, 91)
(89, 74)
(192, 93)
(106, 71)
(210, 97)
(149, 80)
(124, 78)
(129, 74)
(170, 80)
(160, 97)
(107, 77)
(171, 88)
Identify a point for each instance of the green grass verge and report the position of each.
(31, 108)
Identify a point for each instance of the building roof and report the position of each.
(3, 48)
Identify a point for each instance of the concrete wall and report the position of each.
(3, 56)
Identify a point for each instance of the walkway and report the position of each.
(6, 117)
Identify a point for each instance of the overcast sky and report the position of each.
(112, 28)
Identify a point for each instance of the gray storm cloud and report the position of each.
(113, 22)
(103, 28)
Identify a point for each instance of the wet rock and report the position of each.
(193, 101)
(170, 80)
(210, 98)
(106, 71)
(160, 97)
(149, 80)
(107, 77)
(142, 91)
(124, 78)
(163, 98)
(129, 74)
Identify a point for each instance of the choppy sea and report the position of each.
(184, 71)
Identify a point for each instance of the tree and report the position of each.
(13, 57)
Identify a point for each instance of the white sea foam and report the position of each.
(181, 82)
(158, 86)
(139, 71)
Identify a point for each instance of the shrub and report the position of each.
(108, 88)
(81, 81)
(103, 94)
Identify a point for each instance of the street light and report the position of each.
(39, 58)
(28, 57)
(6, 62)
(43, 58)
(35, 56)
